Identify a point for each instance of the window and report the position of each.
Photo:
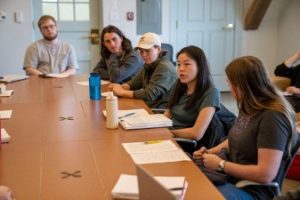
(67, 10)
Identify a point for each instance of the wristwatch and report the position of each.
(221, 166)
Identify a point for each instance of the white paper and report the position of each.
(4, 136)
(123, 113)
(159, 157)
(155, 151)
(54, 75)
(126, 187)
(86, 83)
(13, 77)
(149, 146)
(7, 93)
(145, 120)
(5, 114)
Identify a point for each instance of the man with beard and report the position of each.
(50, 55)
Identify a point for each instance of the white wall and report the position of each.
(263, 42)
(14, 37)
(289, 30)
(121, 7)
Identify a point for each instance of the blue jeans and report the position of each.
(230, 192)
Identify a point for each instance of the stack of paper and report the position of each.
(5, 114)
(155, 151)
(12, 78)
(4, 136)
(140, 118)
(126, 113)
(146, 121)
(7, 93)
(127, 186)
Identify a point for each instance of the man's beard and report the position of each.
(50, 38)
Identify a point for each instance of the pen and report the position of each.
(176, 188)
(153, 142)
(128, 114)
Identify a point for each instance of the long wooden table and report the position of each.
(42, 145)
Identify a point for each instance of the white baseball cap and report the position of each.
(148, 40)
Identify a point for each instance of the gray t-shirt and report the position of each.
(268, 129)
(186, 118)
(50, 57)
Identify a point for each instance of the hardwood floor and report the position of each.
(230, 103)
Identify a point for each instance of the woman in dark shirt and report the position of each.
(260, 141)
(119, 62)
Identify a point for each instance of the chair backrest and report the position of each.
(150, 188)
(289, 162)
(169, 49)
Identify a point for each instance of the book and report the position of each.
(4, 136)
(9, 78)
(125, 113)
(127, 186)
(140, 119)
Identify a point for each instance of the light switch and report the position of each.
(2, 16)
(19, 16)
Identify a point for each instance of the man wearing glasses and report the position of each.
(50, 55)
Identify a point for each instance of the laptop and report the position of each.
(150, 188)
(9, 78)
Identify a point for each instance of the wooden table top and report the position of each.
(42, 145)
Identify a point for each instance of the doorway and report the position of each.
(208, 24)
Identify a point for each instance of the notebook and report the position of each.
(168, 188)
(9, 78)
(144, 186)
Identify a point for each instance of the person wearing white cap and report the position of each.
(154, 82)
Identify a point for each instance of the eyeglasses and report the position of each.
(48, 27)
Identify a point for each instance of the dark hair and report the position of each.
(126, 43)
(44, 18)
(203, 78)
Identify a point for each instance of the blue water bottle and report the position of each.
(95, 87)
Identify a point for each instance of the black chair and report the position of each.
(216, 132)
(169, 49)
(276, 185)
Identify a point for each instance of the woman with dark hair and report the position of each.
(260, 142)
(119, 62)
(194, 100)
